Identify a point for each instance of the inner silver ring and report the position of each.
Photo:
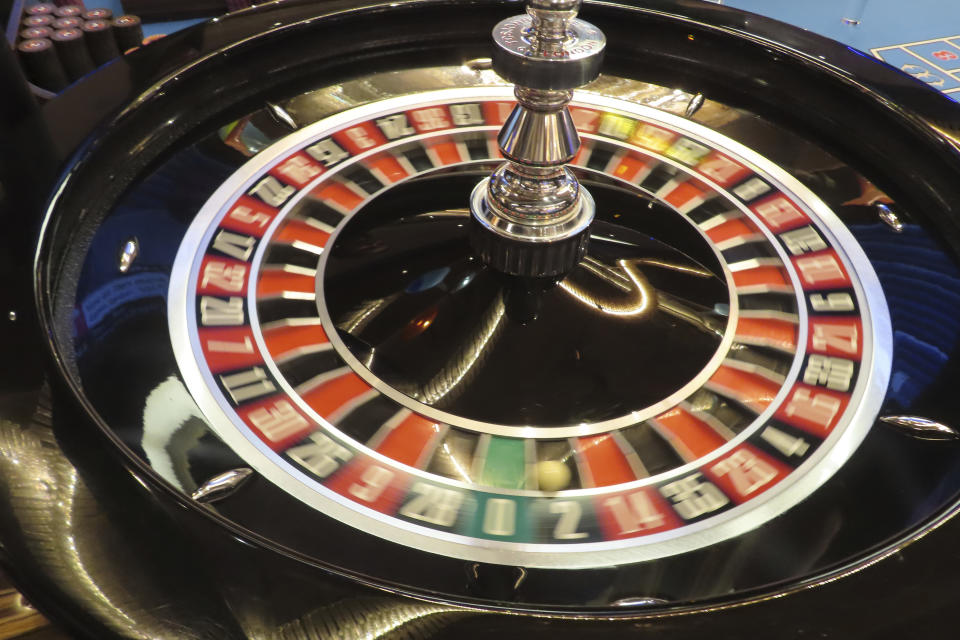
(526, 431)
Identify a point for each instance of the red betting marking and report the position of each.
(736, 228)
(370, 483)
(585, 120)
(944, 55)
(684, 193)
(776, 333)
(722, 169)
(277, 281)
(446, 151)
(779, 213)
(690, 436)
(496, 112)
(582, 153)
(280, 340)
(634, 513)
(754, 391)
(760, 276)
(386, 167)
(821, 270)
(407, 441)
(300, 231)
(228, 348)
(222, 276)
(813, 409)
(250, 216)
(430, 119)
(299, 170)
(332, 394)
(338, 196)
(359, 138)
(605, 459)
(836, 336)
(277, 422)
(745, 473)
(633, 167)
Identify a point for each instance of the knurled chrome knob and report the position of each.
(520, 248)
(548, 48)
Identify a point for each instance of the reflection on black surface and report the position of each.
(922, 287)
(131, 377)
(907, 478)
(892, 486)
(630, 325)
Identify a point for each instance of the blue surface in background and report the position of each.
(882, 22)
(872, 25)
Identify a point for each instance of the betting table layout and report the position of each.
(921, 38)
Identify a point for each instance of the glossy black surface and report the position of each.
(134, 340)
(553, 359)
(898, 481)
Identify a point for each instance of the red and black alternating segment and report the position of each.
(771, 399)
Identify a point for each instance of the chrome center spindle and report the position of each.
(532, 214)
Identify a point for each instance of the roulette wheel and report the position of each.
(322, 335)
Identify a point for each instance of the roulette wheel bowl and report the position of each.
(257, 539)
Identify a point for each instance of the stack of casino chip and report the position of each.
(42, 64)
(73, 41)
(100, 41)
(72, 49)
(37, 54)
(128, 31)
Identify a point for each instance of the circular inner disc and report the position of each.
(640, 318)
